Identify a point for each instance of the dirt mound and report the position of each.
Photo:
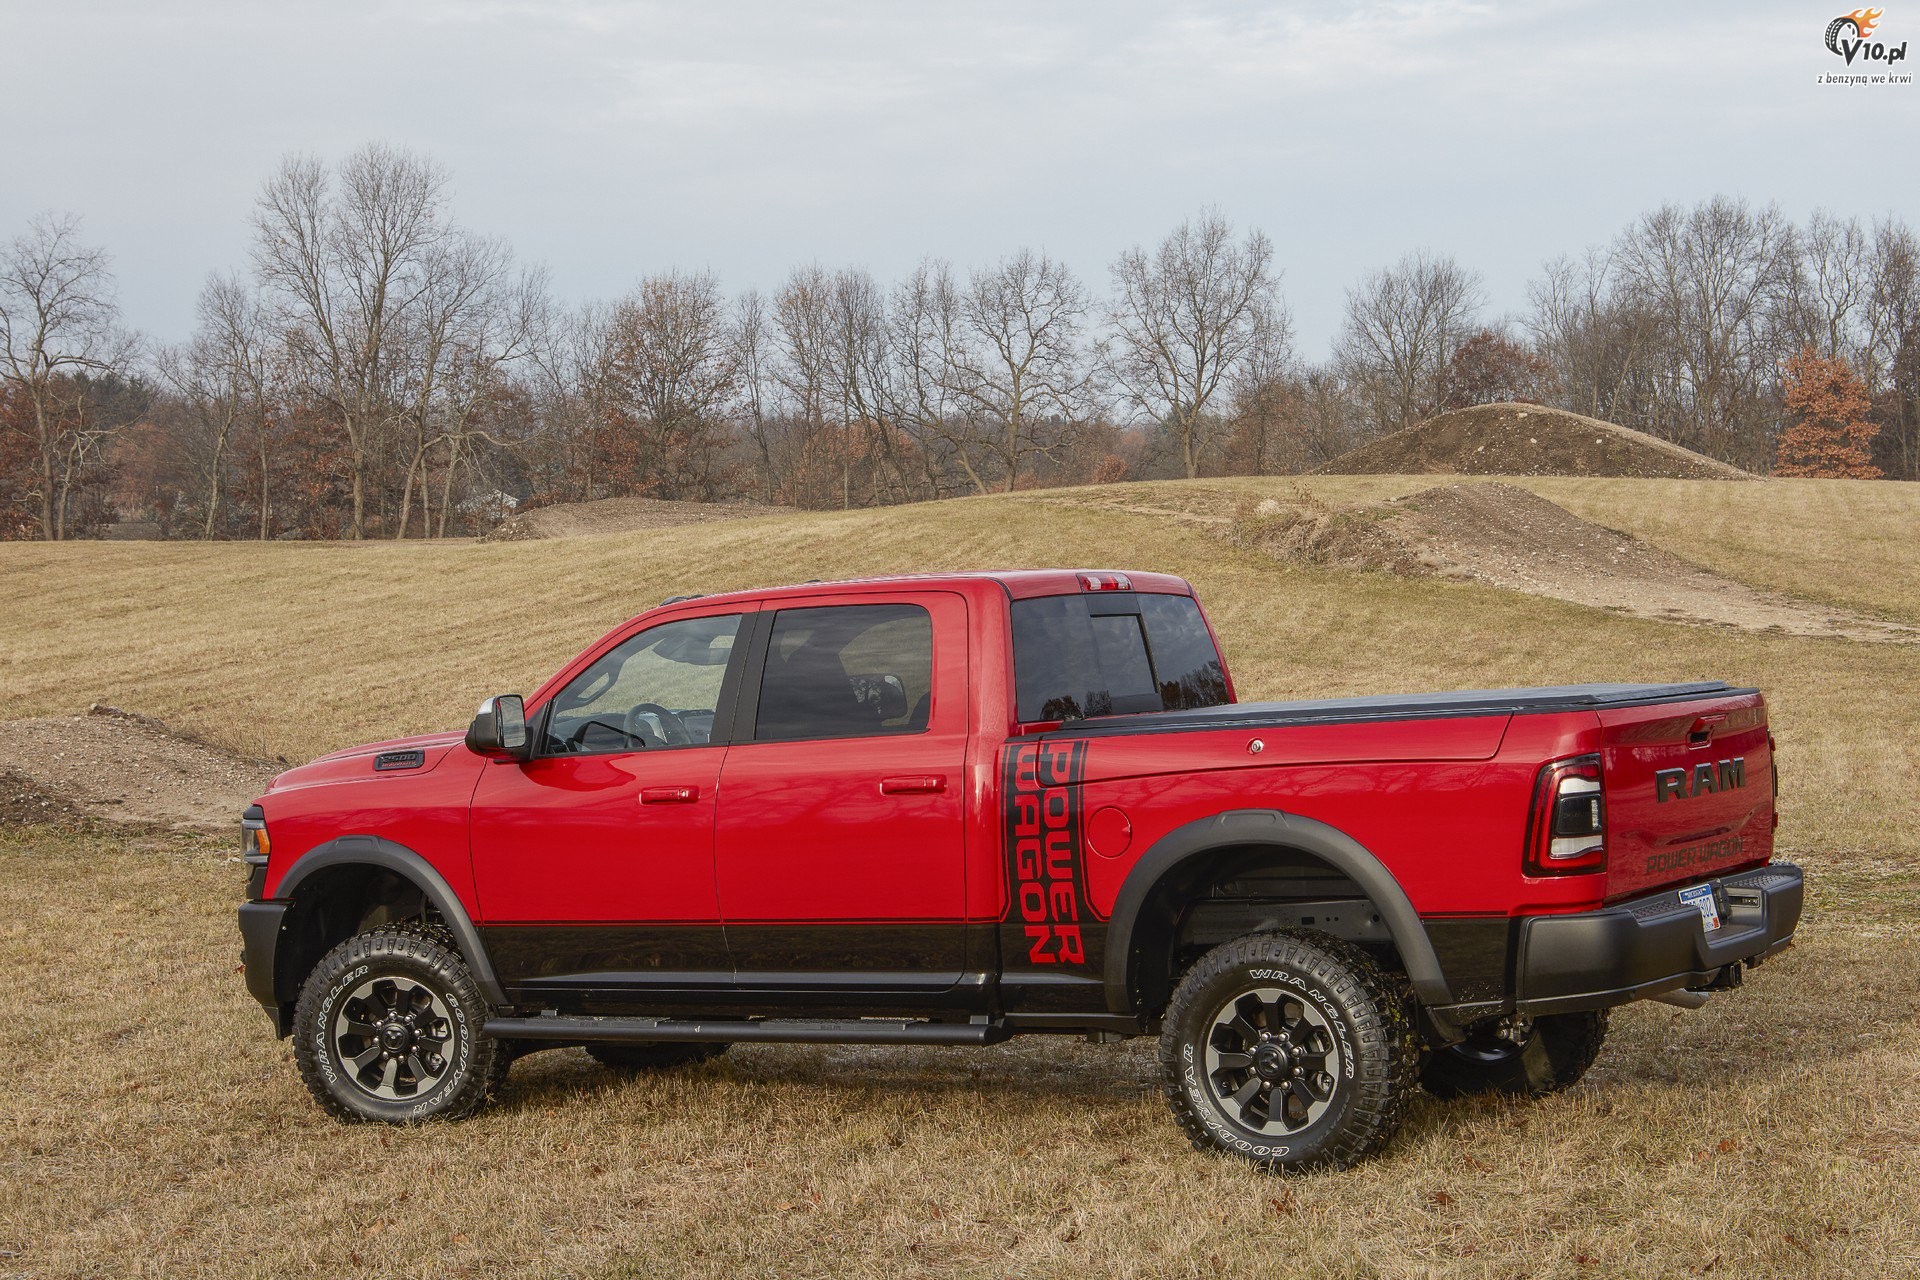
(1509, 537)
(1526, 440)
(119, 767)
(617, 515)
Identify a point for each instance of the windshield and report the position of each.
(1107, 654)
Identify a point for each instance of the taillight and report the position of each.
(1567, 828)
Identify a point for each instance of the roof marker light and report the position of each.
(1105, 582)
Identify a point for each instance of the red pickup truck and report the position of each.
(957, 808)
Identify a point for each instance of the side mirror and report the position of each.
(501, 726)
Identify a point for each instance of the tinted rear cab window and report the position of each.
(1109, 654)
(847, 671)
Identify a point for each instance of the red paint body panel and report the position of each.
(424, 809)
(1653, 842)
(568, 839)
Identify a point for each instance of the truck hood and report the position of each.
(394, 758)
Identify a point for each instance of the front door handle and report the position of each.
(669, 795)
(913, 784)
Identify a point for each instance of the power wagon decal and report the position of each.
(1046, 869)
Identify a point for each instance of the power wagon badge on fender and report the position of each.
(1045, 869)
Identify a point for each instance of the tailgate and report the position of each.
(1689, 791)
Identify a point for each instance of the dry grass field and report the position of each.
(151, 1126)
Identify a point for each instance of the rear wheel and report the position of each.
(388, 1028)
(1518, 1056)
(1290, 1049)
(653, 1057)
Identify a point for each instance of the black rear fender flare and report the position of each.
(1241, 828)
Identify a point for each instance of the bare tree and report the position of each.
(219, 379)
(461, 327)
(511, 325)
(1267, 431)
(1894, 328)
(1190, 318)
(671, 373)
(1831, 285)
(1715, 284)
(753, 346)
(931, 401)
(58, 325)
(858, 365)
(1021, 368)
(1595, 342)
(349, 260)
(1402, 325)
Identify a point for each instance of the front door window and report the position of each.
(659, 689)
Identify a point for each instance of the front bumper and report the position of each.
(259, 946)
(1653, 944)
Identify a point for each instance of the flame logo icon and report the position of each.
(1861, 20)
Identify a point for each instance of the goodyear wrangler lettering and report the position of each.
(1047, 874)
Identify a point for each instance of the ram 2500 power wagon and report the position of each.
(958, 808)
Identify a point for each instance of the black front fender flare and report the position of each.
(375, 851)
(1254, 827)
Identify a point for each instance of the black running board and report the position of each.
(579, 1030)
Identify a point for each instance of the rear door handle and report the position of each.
(669, 795)
(913, 784)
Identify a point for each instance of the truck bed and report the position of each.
(1417, 706)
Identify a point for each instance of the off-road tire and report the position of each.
(1553, 1057)
(1361, 1013)
(653, 1057)
(417, 959)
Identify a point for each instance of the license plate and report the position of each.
(1700, 898)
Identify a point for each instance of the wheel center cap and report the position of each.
(1270, 1061)
(394, 1036)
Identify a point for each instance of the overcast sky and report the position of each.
(609, 140)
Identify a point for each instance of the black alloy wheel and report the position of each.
(1291, 1049)
(388, 1028)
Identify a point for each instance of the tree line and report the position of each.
(377, 369)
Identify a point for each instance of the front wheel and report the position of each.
(388, 1028)
(1291, 1049)
(1518, 1056)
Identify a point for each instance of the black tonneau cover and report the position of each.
(1415, 706)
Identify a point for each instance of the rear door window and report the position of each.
(846, 671)
(1105, 655)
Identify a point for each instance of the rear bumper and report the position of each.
(259, 948)
(1653, 944)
